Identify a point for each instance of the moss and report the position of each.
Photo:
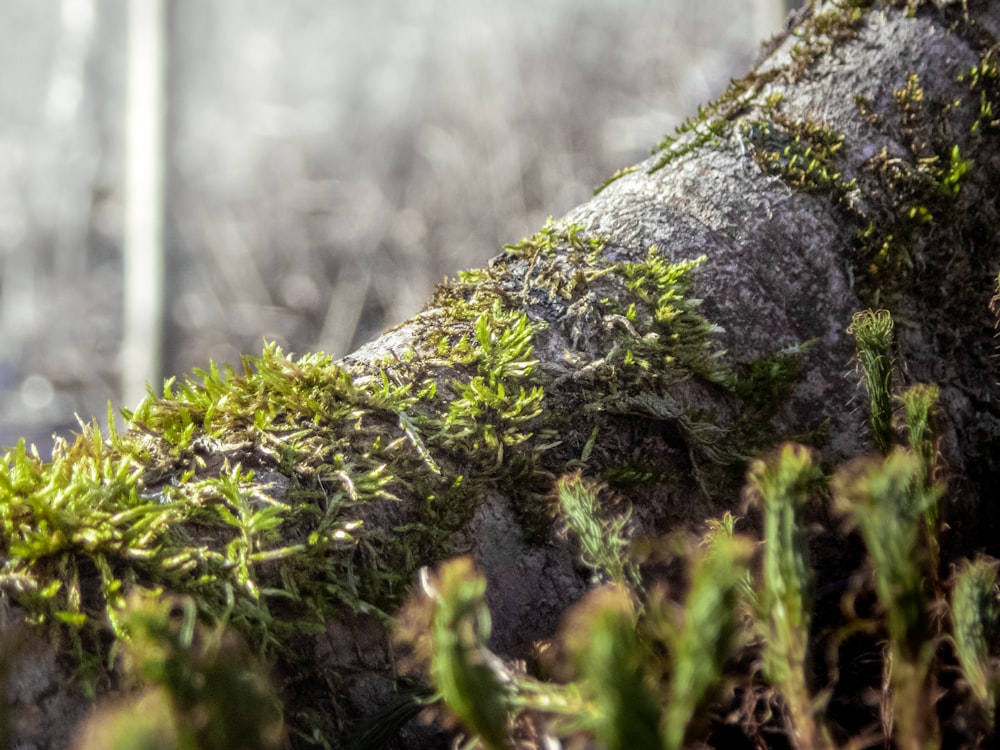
(891, 233)
(714, 122)
(765, 382)
(252, 493)
(890, 238)
(490, 409)
(635, 332)
(983, 80)
(669, 341)
(154, 505)
(807, 157)
(820, 31)
(803, 153)
(562, 260)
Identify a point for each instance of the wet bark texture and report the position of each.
(789, 259)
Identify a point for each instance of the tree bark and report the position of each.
(854, 167)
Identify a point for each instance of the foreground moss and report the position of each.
(638, 665)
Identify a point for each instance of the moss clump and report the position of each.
(634, 331)
(194, 686)
(665, 340)
(666, 335)
(271, 498)
(562, 261)
(892, 238)
(891, 234)
(983, 80)
(490, 410)
(613, 178)
(802, 153)
(820, 31)
(158, 505)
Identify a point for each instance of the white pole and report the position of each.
(144, 198)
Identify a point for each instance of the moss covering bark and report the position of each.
(690, 316)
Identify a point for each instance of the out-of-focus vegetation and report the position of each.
(728, 654)
(328, 163)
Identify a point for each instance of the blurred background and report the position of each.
(182, 179)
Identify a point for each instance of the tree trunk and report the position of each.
(855, 167)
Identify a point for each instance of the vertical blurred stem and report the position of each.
(975, 617)
(464, 672)
(919, 406)
(886, 502)
(706, 635)
(144, 197)
(613, 663)
(873, 338)
(780, 486)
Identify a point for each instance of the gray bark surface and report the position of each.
(784, 266)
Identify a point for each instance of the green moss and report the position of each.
(708, 128)
(190, 497)
(146, 507)
(603, 545)
(983, 80)
(665, 336)
(661, 339)
(562, 260)
(890, 236)
(891, 239)
(820, 31)
(975, 616)
(656, 338)
(802, 153)
(490, 409)
(873, 333)
(891, 233)
(764, 383)
(715, 121)
(265, 495)
(633, 474)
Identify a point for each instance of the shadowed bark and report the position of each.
(855, 167)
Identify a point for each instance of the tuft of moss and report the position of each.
(873, 336)
(603, 544)
(780, 486)
(803, 153)
(195, 686)
(975, 617)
